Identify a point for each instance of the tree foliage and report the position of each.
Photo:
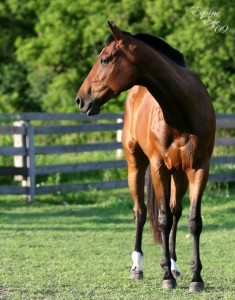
(48, 47)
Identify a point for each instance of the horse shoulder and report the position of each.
(129, 140)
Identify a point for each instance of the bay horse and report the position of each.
(169, 124)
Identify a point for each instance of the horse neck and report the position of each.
(167, 83)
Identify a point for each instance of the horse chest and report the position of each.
(176, 153)
(180, 155)
(177, 159)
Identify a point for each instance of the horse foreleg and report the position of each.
(197, 180)
(179, 185)
(172, 245)
(137, 165)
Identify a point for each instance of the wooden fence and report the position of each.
(26, 150)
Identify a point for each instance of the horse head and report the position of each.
(114, 71)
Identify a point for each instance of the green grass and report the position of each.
(79, 247)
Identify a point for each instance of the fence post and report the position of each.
(119, 139)
(30, 163)
(19, 160)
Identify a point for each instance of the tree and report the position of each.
(16, 21)
(48, 47)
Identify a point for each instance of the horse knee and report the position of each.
(195, 224)
(176, 212)
(165, 221)
(140, 214)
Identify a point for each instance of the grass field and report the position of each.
(79, 247)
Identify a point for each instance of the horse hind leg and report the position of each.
(179, 185)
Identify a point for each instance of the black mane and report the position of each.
(158, 44)
(162, 47)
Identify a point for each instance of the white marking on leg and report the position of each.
(137, 259)
(174, 269)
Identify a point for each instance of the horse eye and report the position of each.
(104, 61)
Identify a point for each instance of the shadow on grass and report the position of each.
(93, 219)
(68, 217)
(116, 210)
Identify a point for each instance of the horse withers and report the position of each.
(169, 125)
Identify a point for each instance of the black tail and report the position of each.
(152, 207)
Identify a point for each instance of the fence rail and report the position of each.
(22, 125)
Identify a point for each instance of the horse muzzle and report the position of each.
(89, 107)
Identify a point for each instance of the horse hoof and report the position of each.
(196, 287)
(137, 275)
(169, 284)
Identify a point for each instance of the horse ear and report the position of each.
(117, 33)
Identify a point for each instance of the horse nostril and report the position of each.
(80, 102)
(77, 100)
